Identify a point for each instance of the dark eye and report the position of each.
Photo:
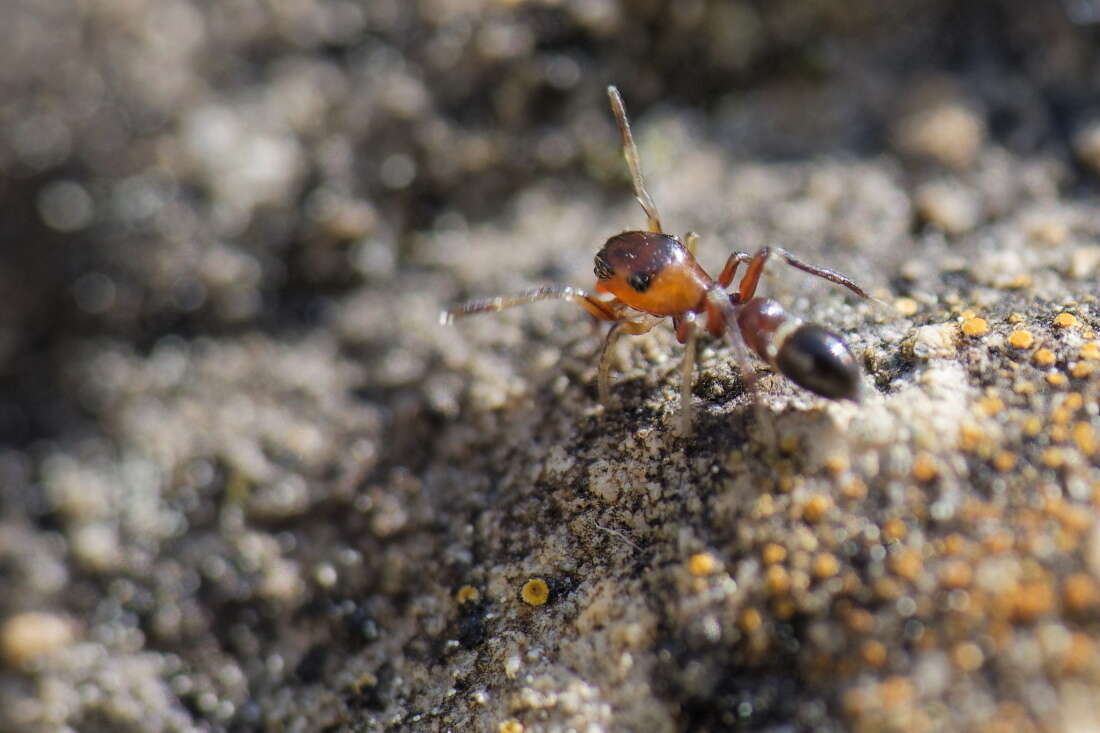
(603, 268)
(640, 281)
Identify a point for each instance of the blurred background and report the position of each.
(228, 227)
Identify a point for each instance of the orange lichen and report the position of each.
(1029, 601)
(1020, 339)
(873, 653)
(967, 656)
(1081, 370)
(955, 544)
(773, 553)
(956, 574)
(702, 563)
(816, 507)
(836, 464)
(777, 580)
(855, 488)
(1053, 457)
(894, 529)
(925, 467)
(1065, 320)
(535, 592)
(1057, 379)
(999, 541)
(991, 405)
(908, 564)
(1080, 593)
(895, 691)
(750, 620)
(1084, 437)
(859, 621)
(974, 327)
(1090, 350)
(1044, 357)
(467, 594)
(825, 565)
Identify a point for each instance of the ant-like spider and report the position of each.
(653, 275)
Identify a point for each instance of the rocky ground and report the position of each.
(249, 482)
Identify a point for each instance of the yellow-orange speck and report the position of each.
(836, 464)
(1080, 593)
(702, 563)
(894, 529)
(510, 726)
(967, 656)
(773, 553)
(816, 507)
(1065, 320)
(1057, 379)
(1021, 339)
(925, 468)
(1053, 457)
(874, 653)
(991, 405)
(908, 564)
(975, 327)
(854, 488)
(1091, 350)
(1005, 461)
(1044, 357)
(1085, 437)
(825, 565)
(535, 592)
(467, 594)
(750, 620)
(777, 580)
(1081, 370)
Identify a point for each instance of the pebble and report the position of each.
(948, 206)
(1086, 144)
(28, 637)
(941, 126)
(935, 341)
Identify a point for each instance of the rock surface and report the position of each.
(249, 482)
